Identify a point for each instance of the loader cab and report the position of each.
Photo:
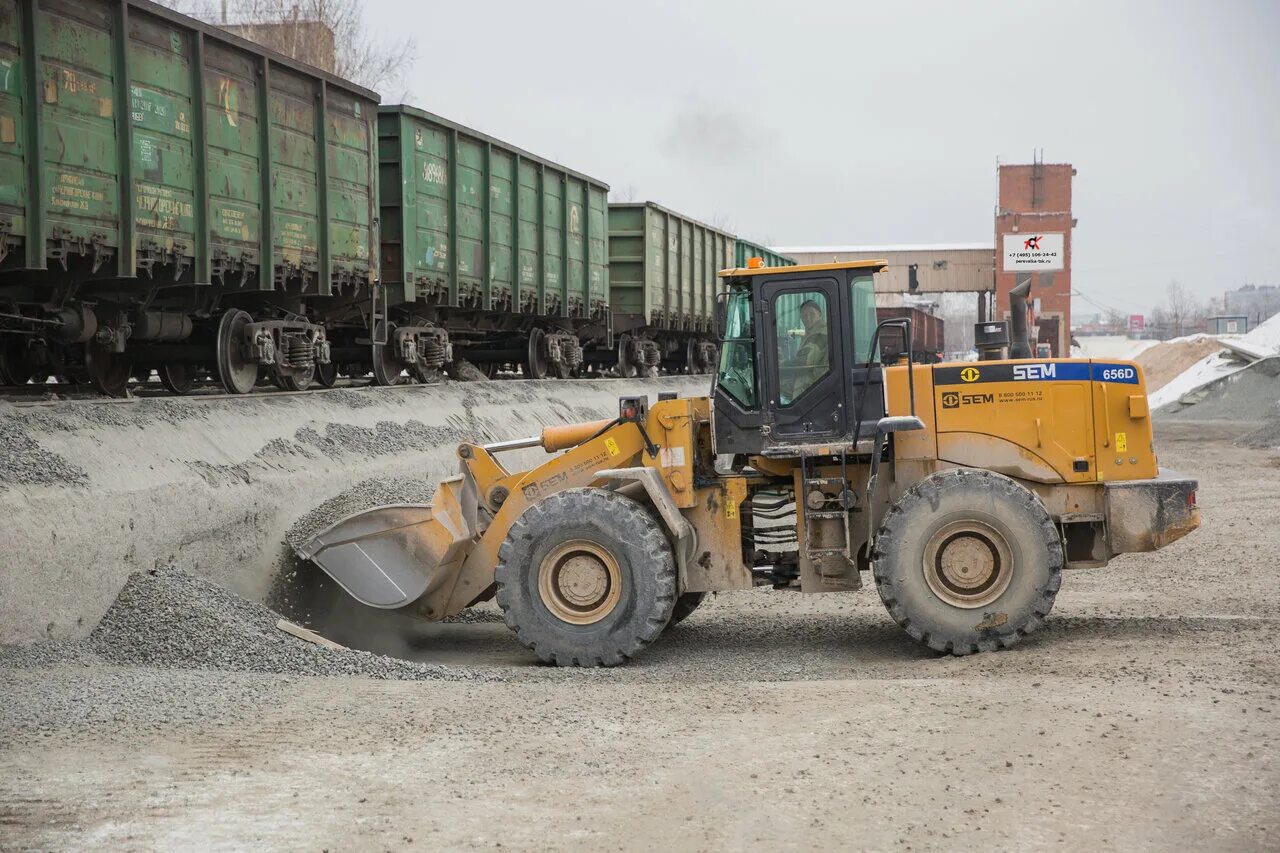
(797, 366)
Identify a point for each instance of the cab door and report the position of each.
(803, 354)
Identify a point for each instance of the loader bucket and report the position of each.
(392, 556)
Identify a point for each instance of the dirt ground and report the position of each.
(1144, 715)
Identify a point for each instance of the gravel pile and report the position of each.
(170, 619)
(1251, 394)
(23, 462)
(465, 371)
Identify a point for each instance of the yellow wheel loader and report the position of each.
(963, 489)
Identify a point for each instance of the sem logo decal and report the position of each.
(954, 399)
(1035, 371)
(970, 374)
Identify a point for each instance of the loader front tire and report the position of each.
(968, 561)
(586, 577)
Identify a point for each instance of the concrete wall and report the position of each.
(939, 269)
(91, 491)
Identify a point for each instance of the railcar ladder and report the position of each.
(378, 314)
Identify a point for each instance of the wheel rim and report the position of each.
(295, 381)
(177, 378)
(108, 372)
(327, 375)
(237, 373)
(968, 563)
(386, 369)
(536, 359)
(580, 582)
(626, 368)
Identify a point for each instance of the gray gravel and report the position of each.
(23, 462)
(364, 495)
(123, 702)
(465, 371)
(168, 618)
(1265, 437)
(1252, 394)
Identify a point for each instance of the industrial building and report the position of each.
(1033, 243)
(1256, 303)
(1033, 222)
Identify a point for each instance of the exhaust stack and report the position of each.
(1019, 340)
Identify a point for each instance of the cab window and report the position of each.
(862, 304)
(737, 374)
(803, 334)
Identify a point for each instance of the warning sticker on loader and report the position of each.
(611, 445)
(1122, 442)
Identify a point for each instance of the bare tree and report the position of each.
(1183, 311)
(1159, 323)
(624, 194)
(329, 34)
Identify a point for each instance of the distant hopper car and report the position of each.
(746, 250)
(176, 199)
(927, 338)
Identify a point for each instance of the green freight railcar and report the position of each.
(502, 249)
(173, 196)
(662, 284)
(746, 250)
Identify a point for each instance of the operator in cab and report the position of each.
(810, 360)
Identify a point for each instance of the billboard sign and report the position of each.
(1036, 252)
(1137, 322)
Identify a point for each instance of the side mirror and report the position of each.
(722, 300)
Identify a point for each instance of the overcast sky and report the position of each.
(808, 123)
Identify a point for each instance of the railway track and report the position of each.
(51, 393)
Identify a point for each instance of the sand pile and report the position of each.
(1168, 359)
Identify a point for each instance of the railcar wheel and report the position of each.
(236, 371)
(109, 372)
(968, 561)
(422, 373)
(626, 367)
(535, 361)
(387, 369)
(691, 364)
(586, 577)
(294, 381)
(327, 375)
(177, 378)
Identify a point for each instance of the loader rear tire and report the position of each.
(586, 577)
(968, 561)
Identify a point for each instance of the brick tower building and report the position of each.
(1033, 241)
